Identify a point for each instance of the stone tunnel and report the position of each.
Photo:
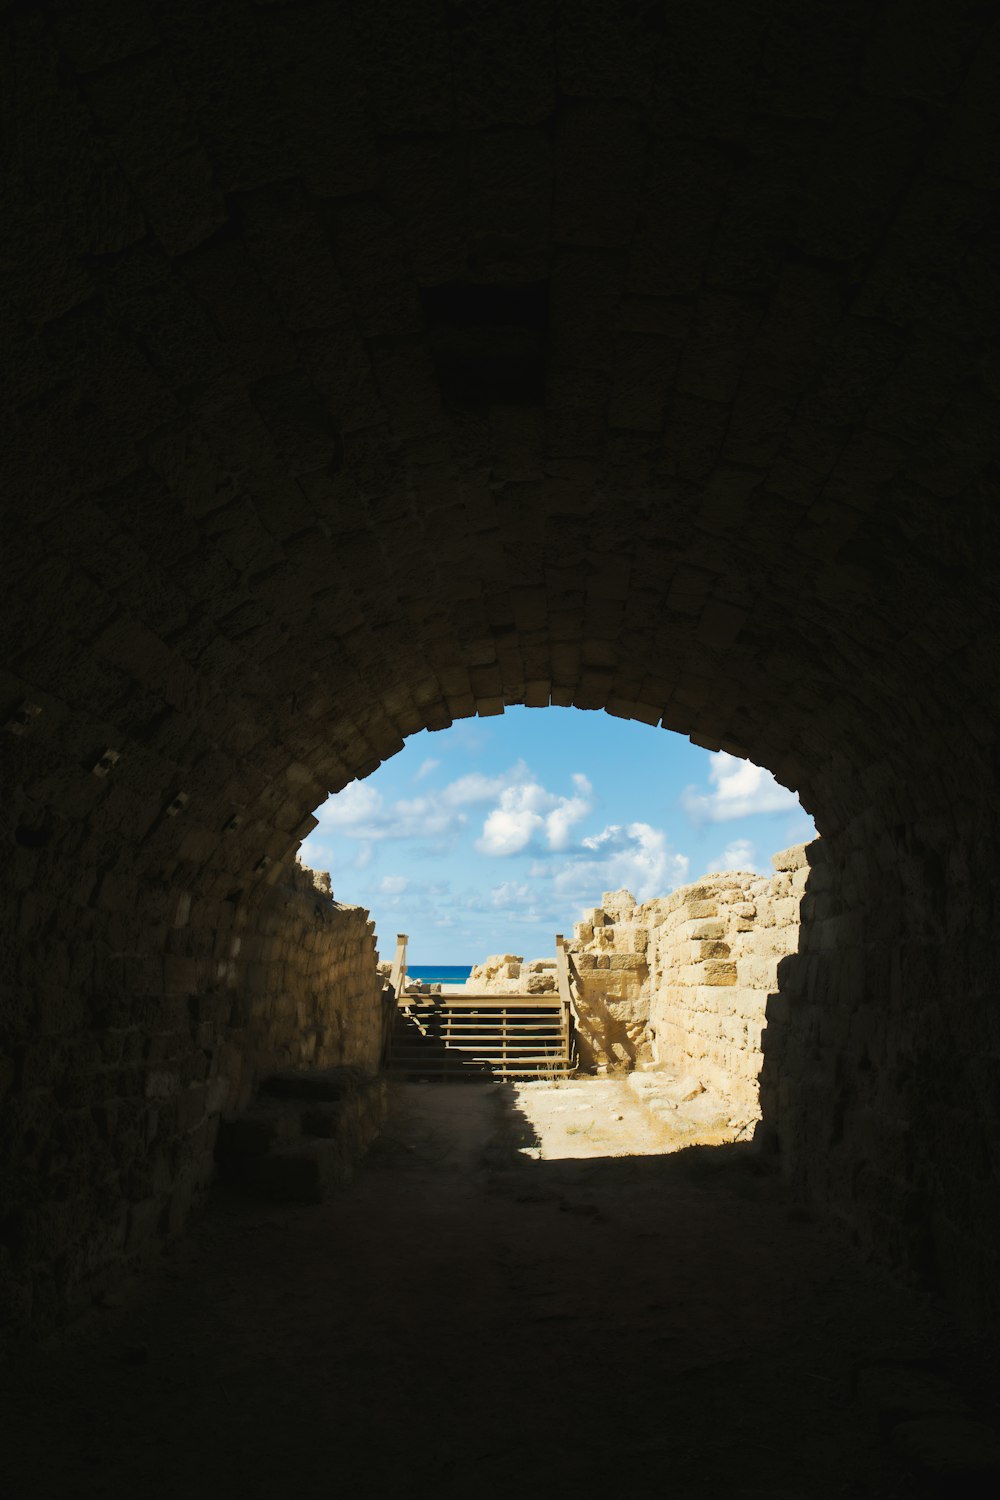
(369, 367)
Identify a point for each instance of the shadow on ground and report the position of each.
(466, 1320)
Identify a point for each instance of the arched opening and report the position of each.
(506, 829)
(487, 843)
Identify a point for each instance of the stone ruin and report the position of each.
(678, 987)
(508, 974)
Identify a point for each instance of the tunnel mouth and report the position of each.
(627, 992)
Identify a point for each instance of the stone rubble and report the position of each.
(508, 974)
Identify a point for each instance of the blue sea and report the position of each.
(439, 973)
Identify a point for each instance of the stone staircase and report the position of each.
(481, 1036)
(302, 1137)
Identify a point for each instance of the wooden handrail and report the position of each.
(565, 977)
(480, 998)
(564, 973)
(397, 975)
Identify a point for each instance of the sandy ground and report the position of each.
(587, 1117)
(505, 1303)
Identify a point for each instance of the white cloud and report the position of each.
(739, 789)
(475, 787)
(393, 885)
(356, 804)
(521, 902)
(526, 811)
(562, 819)
(636, 855)
(738, 855)
(508, 831)
(426, 767)
(360, 812)
(510, 893)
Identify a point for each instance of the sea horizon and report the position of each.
(439, 973)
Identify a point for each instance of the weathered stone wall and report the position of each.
(880, 1054)
(713, 954)
(313, 992)
(683, 981)
(111, 1111)
(608, 955)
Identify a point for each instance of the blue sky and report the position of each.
(493, 835)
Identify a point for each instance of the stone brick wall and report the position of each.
(879, 1083)
(610, 973)
(312, 993)
(111, 1108)
(683, 981)
(714, 953)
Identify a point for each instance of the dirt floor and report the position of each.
(527, 1291)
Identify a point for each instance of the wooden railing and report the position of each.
(507, 1036)
(565, 978)
(397, 975)
(499, 1036)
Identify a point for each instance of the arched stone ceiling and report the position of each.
(371, 366)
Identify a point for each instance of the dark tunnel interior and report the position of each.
(373, 366)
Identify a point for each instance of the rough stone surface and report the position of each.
(361, 377)
(681, 983)
(508, 974)
(304, 1136)
(110, 1145)
(711, 975)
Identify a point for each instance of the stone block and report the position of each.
(702, 931)
(633, 962)
(701, 952)
(254, 1134)
(306, 1172)
(758, 973)
(715, 971)
(324, 1120)
(794, 858)
(700, 910)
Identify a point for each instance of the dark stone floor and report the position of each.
(468, 1321)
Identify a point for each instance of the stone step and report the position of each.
(306, 1172)
(300, 1141)
(259, 1130)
